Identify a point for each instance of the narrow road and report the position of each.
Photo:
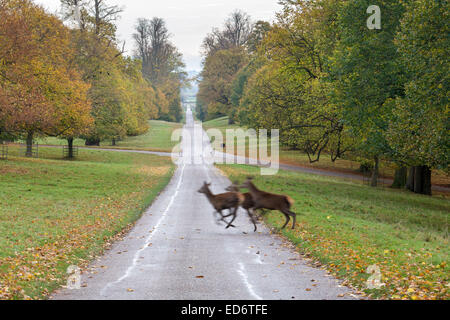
(178, 251)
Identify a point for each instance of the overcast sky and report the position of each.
(188, 20)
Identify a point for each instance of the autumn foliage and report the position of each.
(335, 87)
(71, 82)
(41, 92)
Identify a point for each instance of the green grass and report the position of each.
(347, 227)
(219, 123)
(158, 138)
(56, 213)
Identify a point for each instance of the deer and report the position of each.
(248, 203)
(270, 201)
(220, 202)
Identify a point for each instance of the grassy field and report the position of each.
(158, 138)
(56, 213)
(295, 157)
(347, 227)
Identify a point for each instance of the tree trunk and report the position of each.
(400, 178)
(374, 180)
(427, 181)
(113, 142)
(93, 142)
(418, 179)
(29, 152)
(70, 145)
(422, 180)
(410, 180)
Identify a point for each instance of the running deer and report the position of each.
(270, 201)
(220, 202)
(248, 203)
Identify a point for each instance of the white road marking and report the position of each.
(244, 277)
(149, 238)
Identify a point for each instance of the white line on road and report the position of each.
(147, 241)
(244, 277)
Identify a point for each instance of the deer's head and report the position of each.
(234, 187)
(247, 183)
(204, 188)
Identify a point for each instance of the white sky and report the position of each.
(188, 20)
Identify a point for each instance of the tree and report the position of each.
(162, 64)
(217, 78)
(418, 130)
(291, 89)
(235, 33)
(123, 101)
(154, 48)
(366, 73)
(257, 36)
(42, 93)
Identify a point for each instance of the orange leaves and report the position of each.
(41, 91)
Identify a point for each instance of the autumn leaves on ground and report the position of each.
(55, 213)
(346, 228)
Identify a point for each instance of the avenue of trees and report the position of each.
(68, 76)
(336, 87)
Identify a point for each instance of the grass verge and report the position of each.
(348, 227)
(56, 213)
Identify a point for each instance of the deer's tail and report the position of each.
(290, 201)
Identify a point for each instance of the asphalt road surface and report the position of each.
(177, 250)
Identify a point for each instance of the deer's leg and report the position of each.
(223, 218)
(294, 215)
(252, 218)
(288, 214)
(234, 217)
(228, 215)
(287, 220)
